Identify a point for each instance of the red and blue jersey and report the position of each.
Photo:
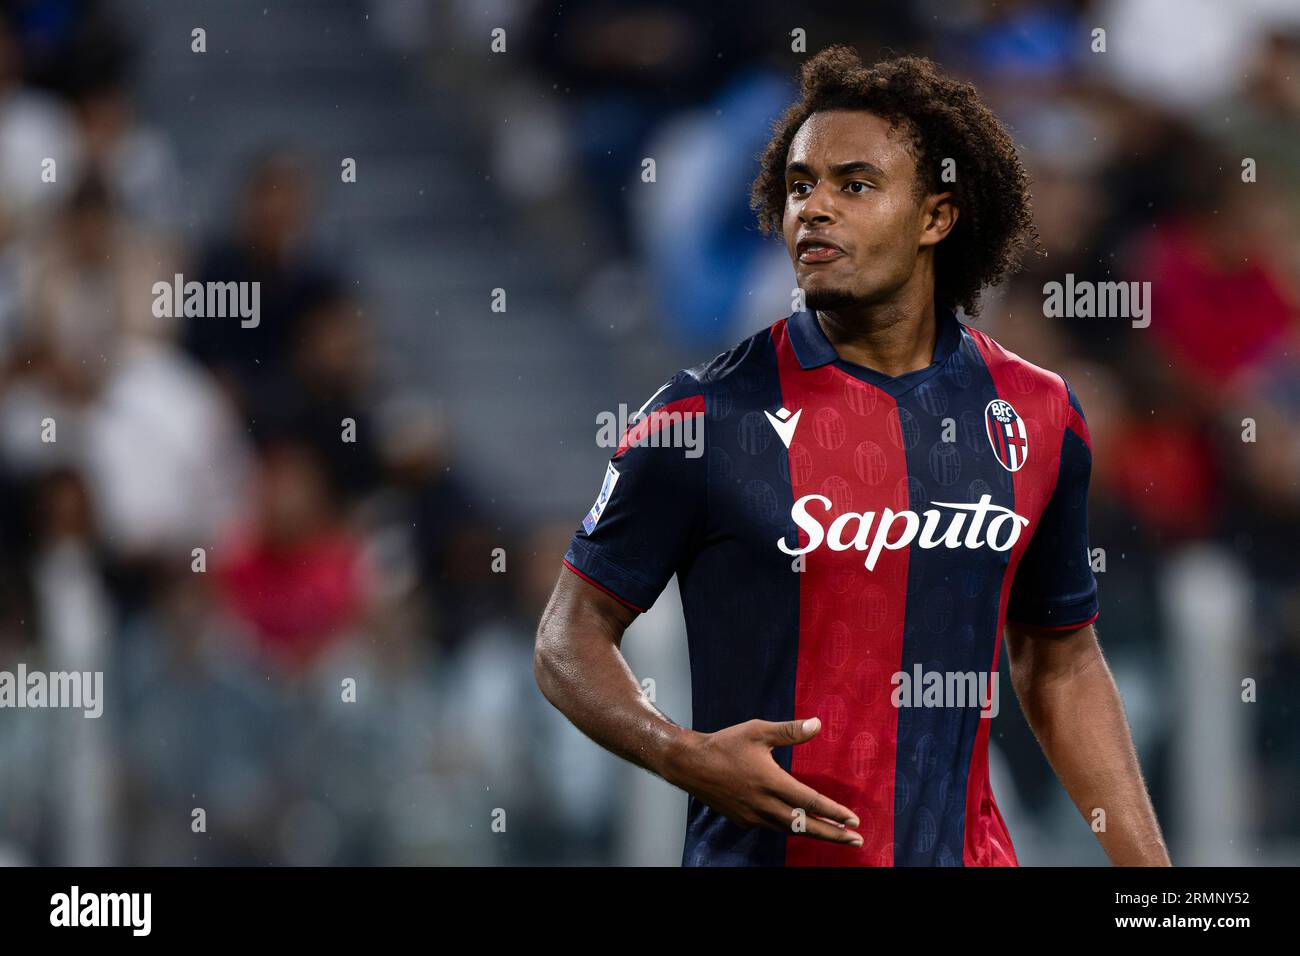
(838, 533)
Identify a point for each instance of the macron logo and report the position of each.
(784, 423)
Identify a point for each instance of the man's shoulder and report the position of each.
(1045, 389)
(750, 356)
(1022, 374)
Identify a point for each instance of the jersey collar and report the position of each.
(813, 350)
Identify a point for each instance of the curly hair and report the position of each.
(942, 118)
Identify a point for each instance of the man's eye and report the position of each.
(858, 182)
(796, 187)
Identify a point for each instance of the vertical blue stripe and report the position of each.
(953, 597)
(740, 596)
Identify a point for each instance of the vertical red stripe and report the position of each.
(1037, 396)
(849, 448)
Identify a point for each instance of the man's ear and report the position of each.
(939, 214)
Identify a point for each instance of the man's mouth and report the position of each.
(813, 251)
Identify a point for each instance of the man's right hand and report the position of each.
(581, 670)
(733, 771)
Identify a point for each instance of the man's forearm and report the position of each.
(1078, 717)
(582, 672)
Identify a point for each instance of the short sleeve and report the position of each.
(1054, 585)
(649, 511)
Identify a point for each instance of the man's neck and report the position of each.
(891, 338)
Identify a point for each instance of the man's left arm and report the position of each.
(1073, 706)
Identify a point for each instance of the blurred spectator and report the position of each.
(270, 244)
(34, 128)
(327, 394)
(90, 294)
(705, 274)
(294, 574)
(137, 161)
(146, 427)
(1183, 54)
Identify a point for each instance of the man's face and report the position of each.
(850, 182)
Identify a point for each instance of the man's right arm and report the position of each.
(581, 670)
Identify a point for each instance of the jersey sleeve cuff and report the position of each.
(600, 572)
(1057, 617)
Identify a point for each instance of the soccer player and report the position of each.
(880, 493)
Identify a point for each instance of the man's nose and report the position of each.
(816, 208)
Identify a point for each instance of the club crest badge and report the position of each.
(1007, 434)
